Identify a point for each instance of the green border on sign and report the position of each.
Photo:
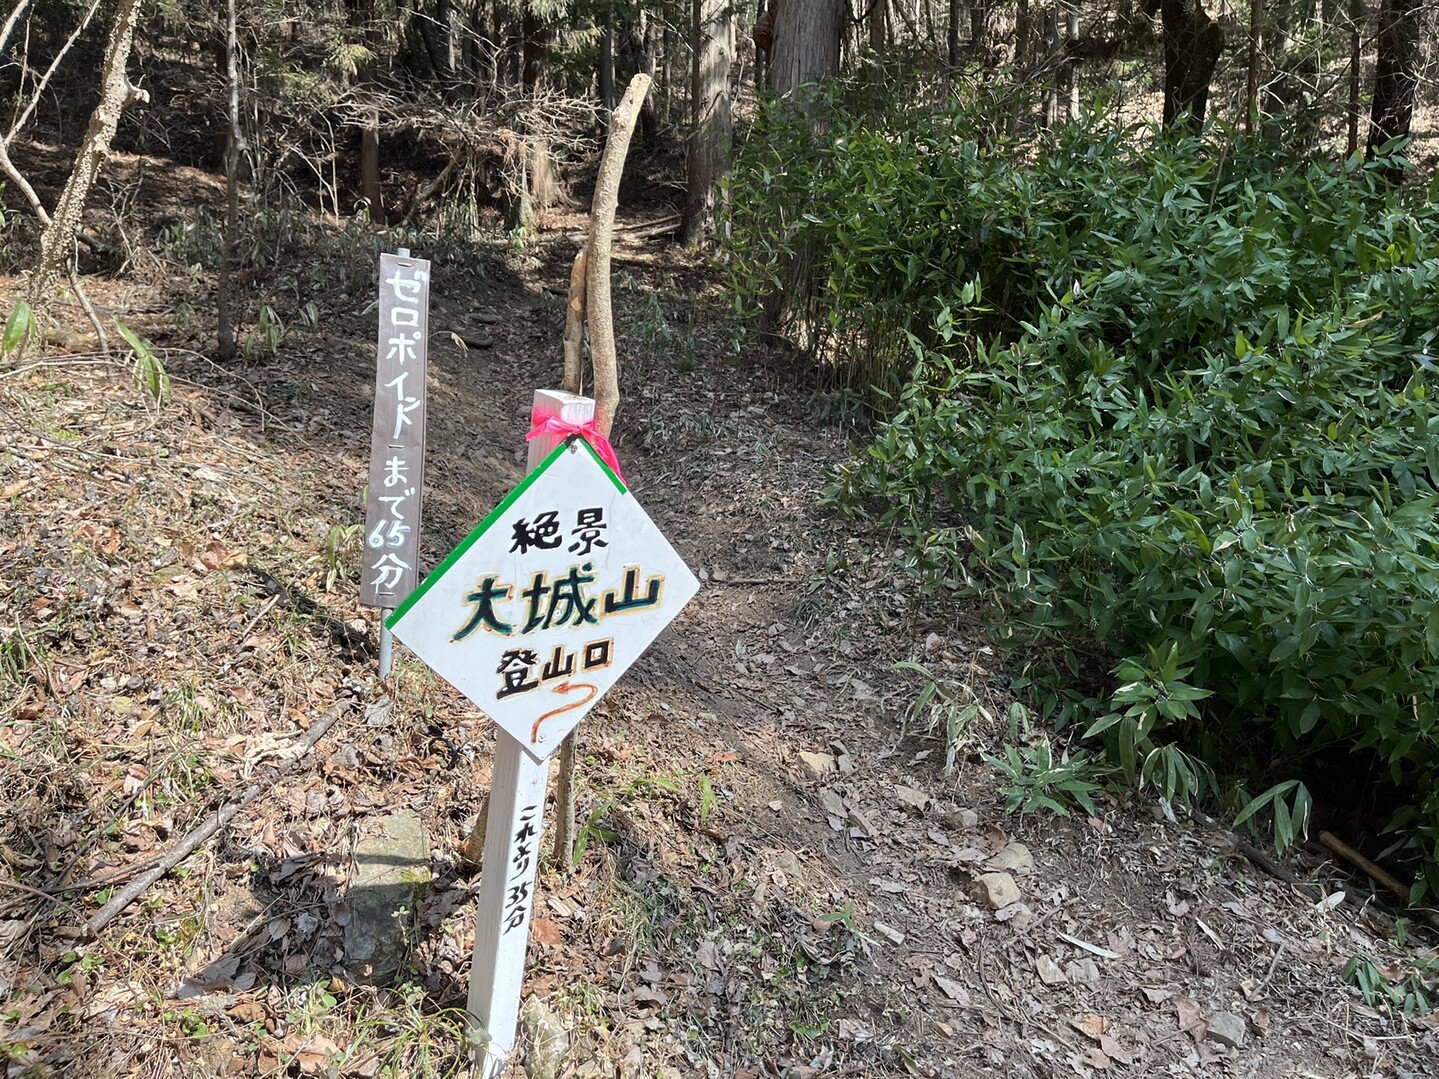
(494, 514)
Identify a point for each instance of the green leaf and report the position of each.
(18, 327)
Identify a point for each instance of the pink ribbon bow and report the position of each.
(547, 423)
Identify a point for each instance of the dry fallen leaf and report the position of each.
(1091, 1025)
(1191, 1017)
(1111, 1048)
(953, 990)
(364, 1069)
(313, 1053)
(247, 1011)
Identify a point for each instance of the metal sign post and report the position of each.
(533, 617)
(390, 561)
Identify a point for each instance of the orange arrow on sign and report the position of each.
(564, 687)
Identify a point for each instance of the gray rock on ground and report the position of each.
(1227, 1029)
(392, 871)
(996, 890)
(1015, 858)
(546, 1041)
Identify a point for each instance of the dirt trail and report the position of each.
(774, 881)
(828, 895)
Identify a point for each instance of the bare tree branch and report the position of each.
(597, 270)
(192, 840)
(45, 79)
(9, 27)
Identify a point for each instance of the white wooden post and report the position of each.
(506, 899)
(536, 658)
(569, 407)
(512, 842)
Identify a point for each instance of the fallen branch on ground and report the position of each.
(212, 825)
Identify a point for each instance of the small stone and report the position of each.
(818, 765)
(996, 890)
(964, 819)
(546, 1041)
(1048, 971)
(1226, 1028)
(1083, 972)
(911, 798)
(788, 863)
(1018, 915)
(1015, 858)
(833, 804)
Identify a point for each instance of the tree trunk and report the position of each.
(710, 134)
(509, 31)
(454, 38)
(537, 176)
(1251, 92)
(1356, 55)
(532, 58)
(806, 42)
(480, 60)
(1051, 76)
(1192, 44)
(607, 66)
(666, 78)
(1396, 74)
(952, 44)
(1071, 63)
(931, 34)
(115, 94)
(875, 19)
(364, 14)
(804, 47)
(234, 145)
(370, 189)
(1022, 25)
(599, 313)
(649, 61)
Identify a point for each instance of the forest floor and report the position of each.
(778, 877)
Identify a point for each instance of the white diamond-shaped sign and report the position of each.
(545, 604)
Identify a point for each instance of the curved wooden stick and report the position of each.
(597, 270)
(213, 823)
(574, 379)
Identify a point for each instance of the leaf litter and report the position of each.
(813, 914)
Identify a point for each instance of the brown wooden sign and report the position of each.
(390, 564)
